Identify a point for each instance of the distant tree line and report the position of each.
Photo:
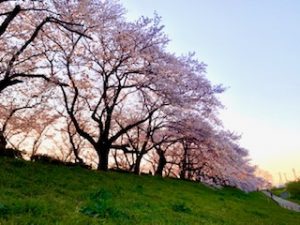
(81, 84)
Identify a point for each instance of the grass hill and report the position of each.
(41, 194)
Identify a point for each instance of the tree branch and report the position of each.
(9, 18)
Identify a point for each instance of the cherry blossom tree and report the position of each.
(125, 69)
(110, 93)
(21, 49)
(21, 114)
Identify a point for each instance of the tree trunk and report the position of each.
(161, 163)
(184, 163)
(3, 142)
(182, 174)
(138, 164)
(78, 159)
(116, 160)
(103, 153)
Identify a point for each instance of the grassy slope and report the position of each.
(33, 193)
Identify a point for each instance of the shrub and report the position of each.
(294, 189)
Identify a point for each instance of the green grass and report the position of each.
(40, 194)
(278, 191)
(294, 189)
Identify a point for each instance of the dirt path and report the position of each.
(283, 203)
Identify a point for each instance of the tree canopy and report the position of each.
(80, 83)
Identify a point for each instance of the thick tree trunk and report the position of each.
(103, 153)
(182, 174)
(161, 163)
(8, 152)
(138, 164)
(183, 168)
(3, 142)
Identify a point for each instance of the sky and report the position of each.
(253, 49)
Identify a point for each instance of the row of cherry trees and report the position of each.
(80, 83)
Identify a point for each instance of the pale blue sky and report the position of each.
(253, 47)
